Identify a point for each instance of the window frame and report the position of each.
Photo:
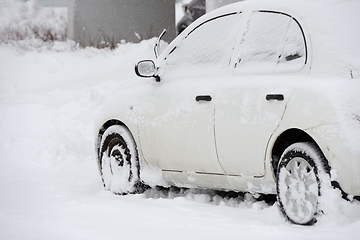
(241, 35)
(180, 40)
(187, 32)
(301, 29)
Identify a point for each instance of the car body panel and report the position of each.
(325, 123)
(180, 132)
(240, 144)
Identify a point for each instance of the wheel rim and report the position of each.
(116, 168)
(298, 190)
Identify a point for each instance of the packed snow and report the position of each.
(50, 188)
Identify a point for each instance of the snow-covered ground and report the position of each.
(49, 183)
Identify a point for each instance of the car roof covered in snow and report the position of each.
(331, 27)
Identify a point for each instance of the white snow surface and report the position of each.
(49, 182)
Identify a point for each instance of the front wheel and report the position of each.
(119, 162)
(298, 183)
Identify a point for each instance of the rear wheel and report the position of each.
(298, 183)
(119, 162)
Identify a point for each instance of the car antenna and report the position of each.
(157, 44)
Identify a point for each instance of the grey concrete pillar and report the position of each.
(107, 22)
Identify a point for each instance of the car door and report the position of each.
(251, 104)
(178, 134)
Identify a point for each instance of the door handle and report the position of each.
(206, 98)
(278, 97)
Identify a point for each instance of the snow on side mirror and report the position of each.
(146, 68)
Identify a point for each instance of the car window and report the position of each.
(203, 50)
(272, 43)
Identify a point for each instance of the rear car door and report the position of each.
(250, 106)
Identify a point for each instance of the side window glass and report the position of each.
(272, 43)
(204, 50)
(293, 53)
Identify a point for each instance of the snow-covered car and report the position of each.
(257, 96)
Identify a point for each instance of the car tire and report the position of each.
(298, 182)
(119, 162)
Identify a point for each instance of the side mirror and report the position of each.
(146, 68)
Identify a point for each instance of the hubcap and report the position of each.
(298, 190)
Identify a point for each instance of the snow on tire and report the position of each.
(298, 182)
(118, 161)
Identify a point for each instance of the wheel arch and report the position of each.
(287, 138)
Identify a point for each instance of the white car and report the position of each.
(257, 96)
